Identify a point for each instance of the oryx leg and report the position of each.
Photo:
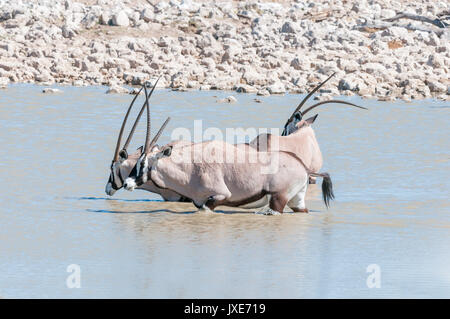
(297, 203)
(276, 205)
(216, 200)
(277, 202)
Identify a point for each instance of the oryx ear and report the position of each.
(164, 153)
(123, 155)
(312, 119)
(168, 151)
(140, 149)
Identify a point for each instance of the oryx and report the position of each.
(280, 175)
(297, 115)
(123, 162)
(302, 143)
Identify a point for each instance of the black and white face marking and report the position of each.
(115, 181)
(138, 175)
(291, 126)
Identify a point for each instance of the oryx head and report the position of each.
(297, 116)
(151, 154)
(122, 164)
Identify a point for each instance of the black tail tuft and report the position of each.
(327, 189)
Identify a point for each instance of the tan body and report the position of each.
(231, 184)
(302, 143)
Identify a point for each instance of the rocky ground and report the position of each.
(248, 46)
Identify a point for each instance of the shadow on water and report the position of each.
(139, 212)
(115, 199)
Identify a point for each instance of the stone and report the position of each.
(373, 68)
(245, 88)
(120, 19)
(4, 82)
(263, 92)
(135, 91)
(116, 89)
(135, 78)
(229, 99)
(277, 88)
(147, 14)
(435, 61)
(296, 64)
(106, 18)
(288, 27)
(436, 87)
(51, 90)
(388, 13)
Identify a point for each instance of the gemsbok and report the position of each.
(300, 142)
(123, 163)
(218, 173)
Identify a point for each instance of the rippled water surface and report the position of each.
(390, 169)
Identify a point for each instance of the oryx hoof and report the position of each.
(205, 209)
(300, 210)
(267, 211)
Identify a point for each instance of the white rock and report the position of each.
(244, 88)
(435, 60)
(296, 64)
(3, 82)
(117, 90)
(120, 19)
(229, 99)
(51, 90)
(263, 92)
(105, 18)
(373, 68)
(387, 13)
(135, 91)
(135, 78)
(277, 88)
(147, 14)
(436, 87)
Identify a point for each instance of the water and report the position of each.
(389, 165)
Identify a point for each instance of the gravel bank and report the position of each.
(247, 46)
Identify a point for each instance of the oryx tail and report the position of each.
(327, 185)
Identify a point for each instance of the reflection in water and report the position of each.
(389, 167)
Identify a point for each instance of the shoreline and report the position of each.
(218, 97)
(267, 48)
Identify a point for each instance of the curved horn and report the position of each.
(116, 152)
(125, 146)
(155, 139)
(331, 101)
(308, 96)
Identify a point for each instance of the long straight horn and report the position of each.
(155, 139)
(139, 116)
(308, 96)
(331, 101)
(147, 135)
(116, 152)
